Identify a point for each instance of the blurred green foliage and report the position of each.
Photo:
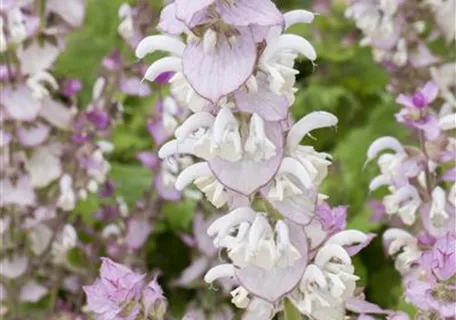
(345, 82)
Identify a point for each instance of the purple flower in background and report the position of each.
(415, 113)
(421, 99)
(116, 294)
(108, 213)
(149, 160)
(450, 175)
(71, 87)
(207, 256)
(108, 189)
(113, 62)
(164, 187)
(157, 130)
(378, 210)
(134, 86)
(332, 219)
(99, 118)
(138, 231)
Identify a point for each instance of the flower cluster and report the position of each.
(37, 164)
(420, 205)
(422, 199)
(401, 34)
(53, 157)
(232, 65)
(395, 29)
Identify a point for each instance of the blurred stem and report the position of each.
(9, 69)
(42, 13)
(55, 292)
(12, 298)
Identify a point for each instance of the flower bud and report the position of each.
(153, 302)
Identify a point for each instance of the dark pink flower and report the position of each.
(71, 87)
(415, 113)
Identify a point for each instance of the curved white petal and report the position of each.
(312, 121)
(297, 16)
(330, 251)
(163, 65)
(220, 271)
(194, 122)
(381, 144)
(226, 222)
(405, 193)
(294, 43)
(159, 43)
(396, 233)
(347, 238)
(191, 173)
(175, 147)
(378, 182)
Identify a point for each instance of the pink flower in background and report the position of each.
(149, 159)
(121, 294)
(116, 294)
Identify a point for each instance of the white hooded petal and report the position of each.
(312, 121)
(298, 16)
(159, 43)
(381, 144)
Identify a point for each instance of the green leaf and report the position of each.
(290, 312)
(86, 208)
(85, 48)
(179, 214)
(131, 181)
(131, 136)
(406, 307)
(361, 220)
(77, 259)
(360, 271)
